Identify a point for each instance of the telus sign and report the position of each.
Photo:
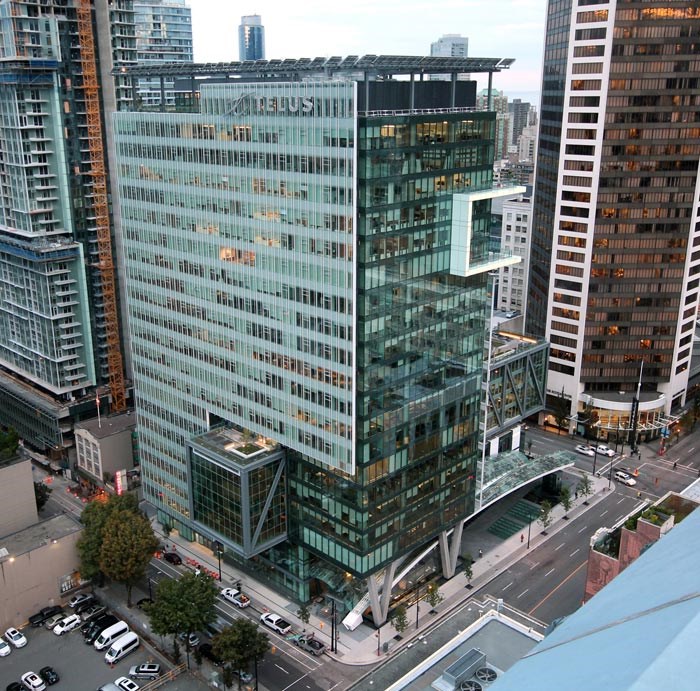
(251, 103)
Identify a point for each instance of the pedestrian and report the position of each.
(522, 538)
(481, 554)
(576, 494)
(675, 463)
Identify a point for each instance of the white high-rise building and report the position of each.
(450, 46)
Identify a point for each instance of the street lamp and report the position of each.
(219, 550)
(529, 526)
(417, 603)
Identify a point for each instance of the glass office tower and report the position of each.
(251, 38)
(307, 272)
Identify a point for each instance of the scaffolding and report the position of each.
(98, 174)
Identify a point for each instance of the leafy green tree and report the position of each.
(565, 499)
(128, 544)
(399, 619)
(304, 613)
(585, 488)
(94, 518)
(433, 595)
(468, 564)
(240, 644)
(561, 409)
(9, 441)
(184, 606)
(41, 494)
(545, 518)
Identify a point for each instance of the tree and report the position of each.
(303, 613)
(585, 488)
(94, 518)
(240, 644)
(565, 499)
(128, 544)
(561, 410)
(433, 596)
(468, 562)
(399, 619)
(9, 441)
(41, 494)
(183, 606)
(545, 516)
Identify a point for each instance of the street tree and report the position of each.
(240, 644)
(41, 494)
(565, 499)
(585, 488)
(399, 619)
(94, 517)
(9, 442)
(433, 595)
(468, 562)
(128, 544)
(561, 409)
(183, 606)
(545, 518)
(304, 613)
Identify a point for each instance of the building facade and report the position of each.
(251, 38)
(614, 276)
(163, 34)
(59, 324)
(515, 238)
(450, 46)
(311, 273)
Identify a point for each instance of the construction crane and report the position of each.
(98, 174)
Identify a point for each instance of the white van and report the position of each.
(110, 635)
(122, 647)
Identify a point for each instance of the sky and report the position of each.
(322, 28)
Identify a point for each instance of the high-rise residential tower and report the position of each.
(59, 325)
(163, 34)
(251, 38)
(450, 46)
(615, 274)
(307, 265)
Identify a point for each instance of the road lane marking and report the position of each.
(282, 668)
(534, 565)
(574, 552)
(604, 512)
(621, 500)
(554, 590)
(523, 593)
(690, 450)
(548, 572)
(556, 549)
(508, 586)
(582, 529)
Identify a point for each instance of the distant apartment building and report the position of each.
(251, 38)
(163, 34)
(60, 332)
(519, 118)
(615, 275)
(450, 46)
(515, 240)
(498, 101)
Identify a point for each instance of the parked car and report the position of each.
(15, 686)
(206, 650)
(193, 637)
(85, 605)
(236, 597)
(52, 621)
(77, 599)
(310, 644)
(48, 674)
(246, 677)
(625, 479)
(510, 314)
(98, 626)
(92, 612)
(33, 682)
(43, 614)
(68, 624)
(149, 670)
(5, 649)
(585, 449)
(126, 684)
(18, 640)
(173, 558)
(605, 450)
(276, 623)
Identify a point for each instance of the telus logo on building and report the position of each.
(251, 103)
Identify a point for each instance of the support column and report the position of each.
(449, 551)
(380, 607)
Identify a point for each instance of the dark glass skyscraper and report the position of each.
(251, 38)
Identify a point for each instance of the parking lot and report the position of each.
(79, 666)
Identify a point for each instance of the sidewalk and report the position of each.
(360, 647)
